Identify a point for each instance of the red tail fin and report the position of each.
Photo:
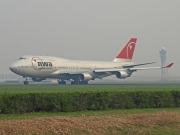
(128, 50)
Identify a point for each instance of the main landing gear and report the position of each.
(61, 82)
(79, 82)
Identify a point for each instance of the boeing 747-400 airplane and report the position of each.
(77, 71)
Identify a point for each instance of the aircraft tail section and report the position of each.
(127, 52)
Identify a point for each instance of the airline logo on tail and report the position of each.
(128, 50)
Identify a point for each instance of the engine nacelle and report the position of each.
(38, 79)
(121, 74)
(85, 77)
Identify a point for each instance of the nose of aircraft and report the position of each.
(13, 67)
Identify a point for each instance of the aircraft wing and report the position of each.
(130, 66)
(135, 69)
(62, 72)
(104, 72)
(131, 69)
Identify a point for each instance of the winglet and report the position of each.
(170, 65)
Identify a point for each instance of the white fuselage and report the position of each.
(45, 66)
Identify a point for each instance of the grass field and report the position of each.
(86, 113)
(85, 88)
(133, 121)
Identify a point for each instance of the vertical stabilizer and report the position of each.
(127, 52)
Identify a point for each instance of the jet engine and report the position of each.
(38, 79)
(85, 77)
(122, 74)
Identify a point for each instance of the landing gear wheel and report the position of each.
(83, 82)
(26, 83)
(74, 82)
(61, 82)
(79, 82)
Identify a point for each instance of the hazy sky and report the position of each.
(90, 30)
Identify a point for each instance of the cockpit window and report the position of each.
(22, 58)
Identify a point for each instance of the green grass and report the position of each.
(69, 88)
(84, 113)
(154, 130)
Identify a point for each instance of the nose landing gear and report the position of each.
(26, 82)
